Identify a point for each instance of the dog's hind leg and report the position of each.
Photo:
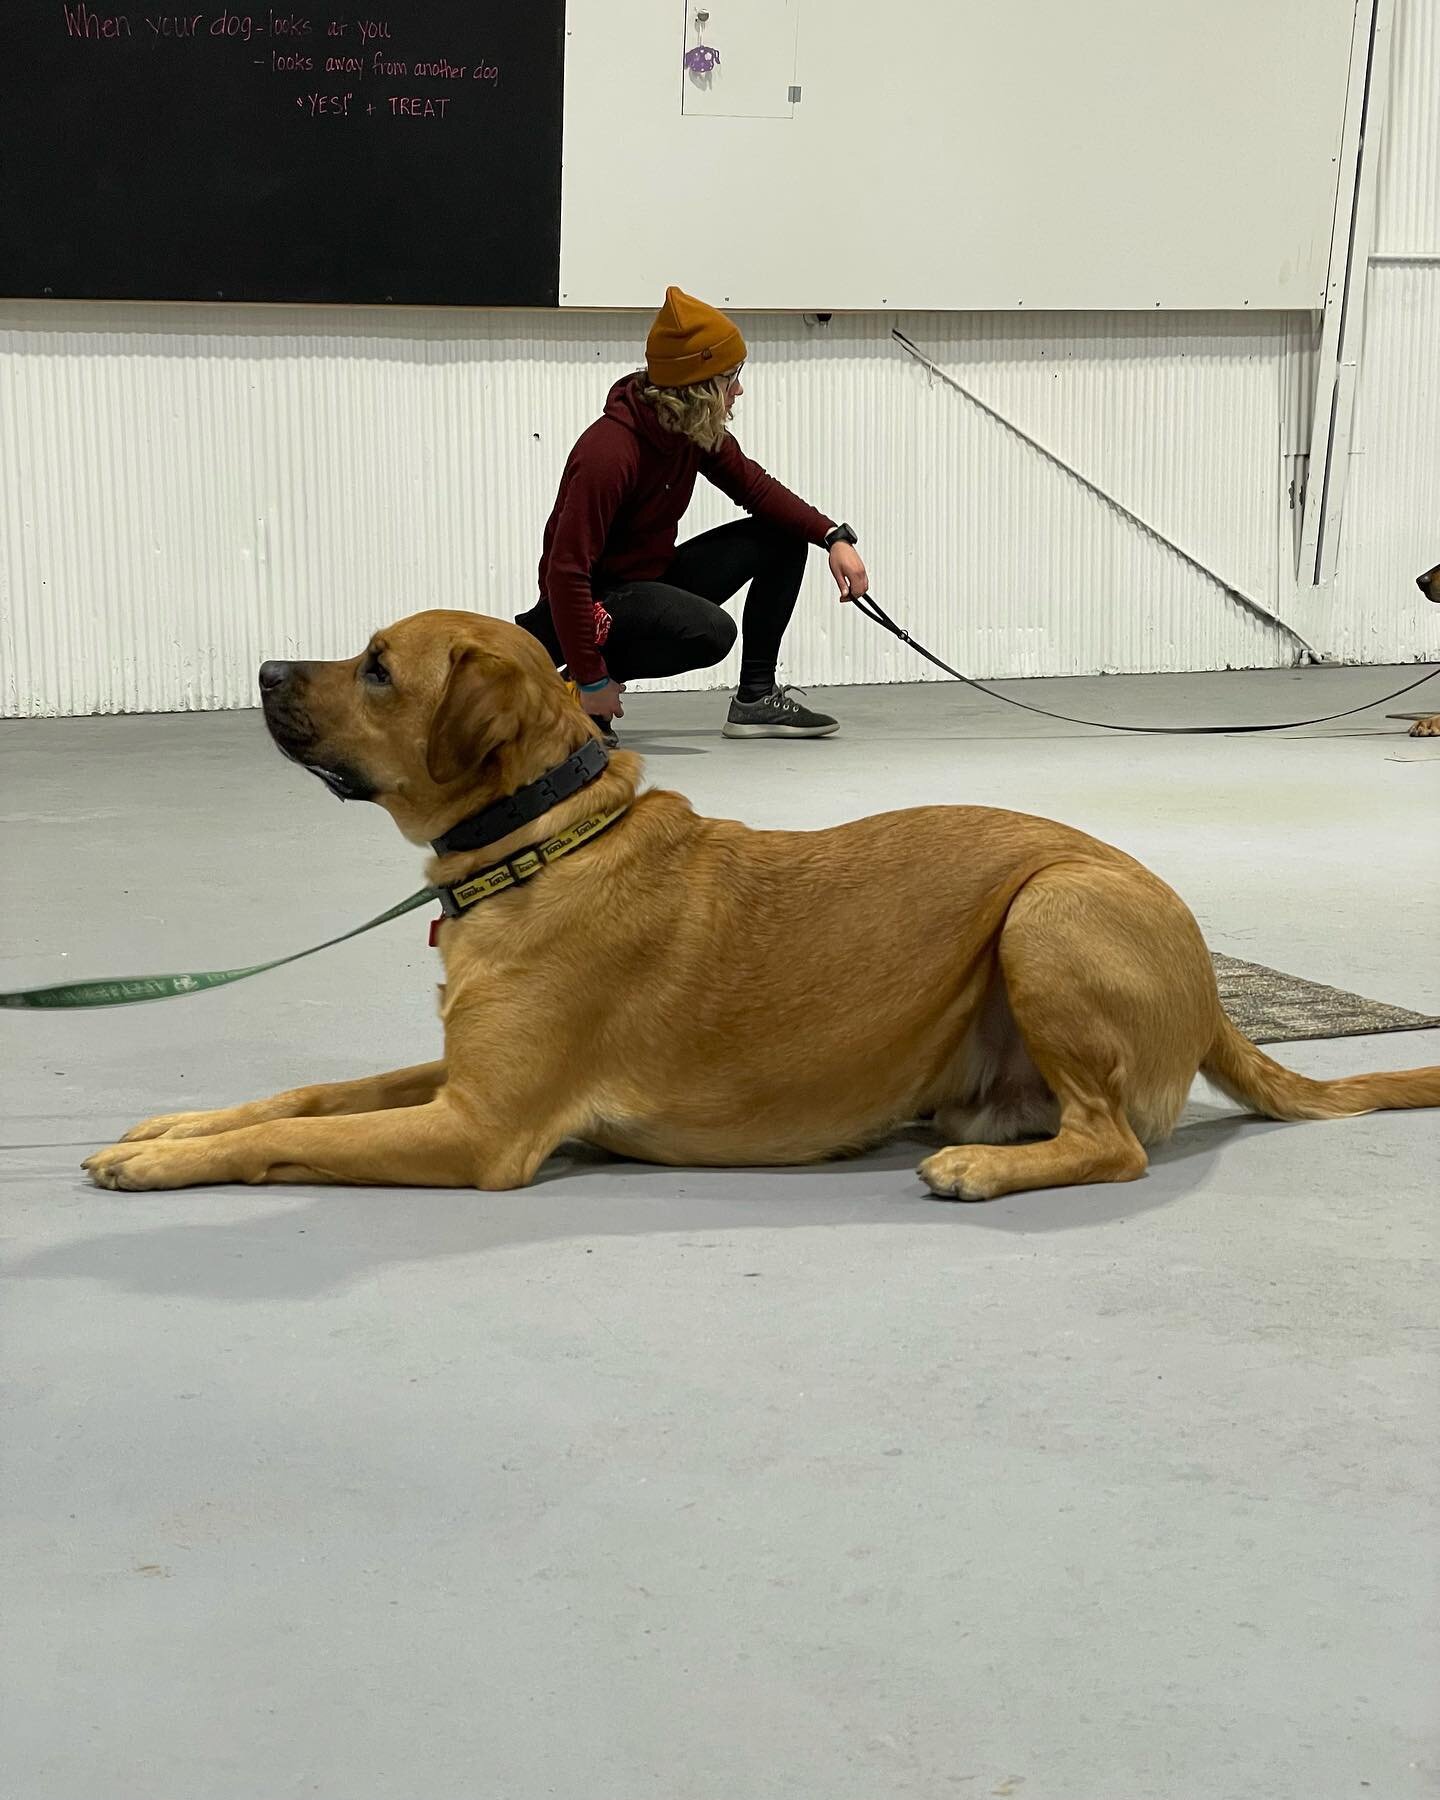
(1113, 993)
(374, 1093)
(994, 1094)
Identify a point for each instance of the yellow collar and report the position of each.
(522, 866)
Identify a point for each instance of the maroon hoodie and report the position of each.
(625, 489)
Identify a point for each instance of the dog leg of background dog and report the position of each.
(375, 1093)
(1113, 992)
(1429, 586)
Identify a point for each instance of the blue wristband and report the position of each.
(594, 687)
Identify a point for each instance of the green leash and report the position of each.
(513, 872)
(130, 990)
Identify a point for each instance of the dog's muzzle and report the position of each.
(281, 687)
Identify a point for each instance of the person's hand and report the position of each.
(604, 703)
(849, 571)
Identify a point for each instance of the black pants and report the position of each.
(668, 627)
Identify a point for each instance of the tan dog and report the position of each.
(1008, 977)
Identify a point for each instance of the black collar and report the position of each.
(527, 803)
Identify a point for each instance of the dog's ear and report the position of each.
(477, 713)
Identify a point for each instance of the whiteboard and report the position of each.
(954, 154)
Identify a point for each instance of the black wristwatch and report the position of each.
(839, 534)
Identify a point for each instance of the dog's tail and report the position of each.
(1247, 1074)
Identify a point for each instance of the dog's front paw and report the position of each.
(1426, 727)
(963, 1172)
(139, 1166)
(177, 1125)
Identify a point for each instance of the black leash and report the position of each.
(872, 609)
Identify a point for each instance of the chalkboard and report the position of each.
(407, 154)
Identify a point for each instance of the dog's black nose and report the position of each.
(273, 675)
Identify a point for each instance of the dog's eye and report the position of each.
(374, 671)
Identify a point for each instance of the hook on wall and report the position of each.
(703, 59)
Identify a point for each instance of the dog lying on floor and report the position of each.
(1041, 996)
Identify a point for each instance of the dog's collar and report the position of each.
(519, 868)
(526, 804)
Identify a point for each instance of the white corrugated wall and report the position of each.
(1391, 526)
(187, 490)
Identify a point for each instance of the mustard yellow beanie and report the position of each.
(690, 342)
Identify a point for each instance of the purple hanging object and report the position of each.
(702, 60)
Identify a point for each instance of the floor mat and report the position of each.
(1274, 1008)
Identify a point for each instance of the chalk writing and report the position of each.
(250, 25)
(174, 25)
(236, 25)
(375, 64)
(81, 22)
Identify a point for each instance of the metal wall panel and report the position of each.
(185, 491)
(1392, 511)
(1390, 531)
(1408, 209)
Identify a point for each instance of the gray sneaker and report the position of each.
(777, 715)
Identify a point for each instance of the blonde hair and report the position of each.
(698, 412)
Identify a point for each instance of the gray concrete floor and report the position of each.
(715, 1486)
